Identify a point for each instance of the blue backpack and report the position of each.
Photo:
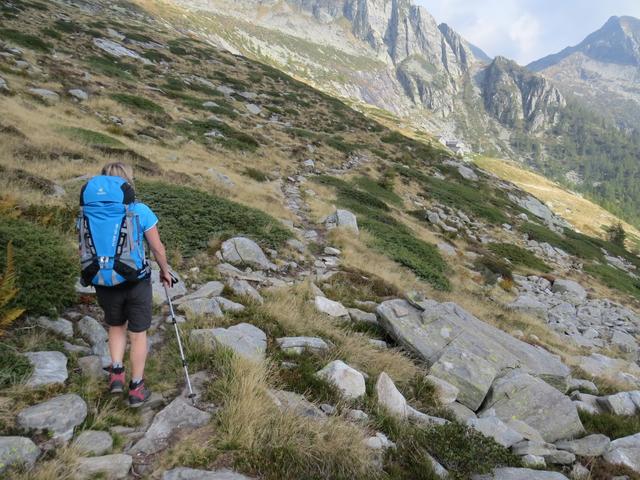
(110, 236)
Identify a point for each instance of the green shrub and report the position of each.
(66, 26)
(573, 243)
(338, 143)
(46, 267)
(462, 450)
(302, 378)
(380, 190)
(233, 139)
(519, 256)
(189, 218)
(615, 278)
(255, 174)
(493, 267)
(90, 137)
(24, 39)
(50, 32)
(137, 102)
(111, 67)
(350, 285)
(613, 426)
(14, 367)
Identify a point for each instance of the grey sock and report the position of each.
(136, 381)
(117, 365)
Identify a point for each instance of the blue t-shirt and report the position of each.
(148, 219)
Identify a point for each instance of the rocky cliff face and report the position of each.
(603, 69)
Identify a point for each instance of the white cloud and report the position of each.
(525, 32)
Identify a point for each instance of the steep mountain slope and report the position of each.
(356, 304)
(603, 70)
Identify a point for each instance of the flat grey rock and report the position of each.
(48, 368)
(589, 446)
(620, 403)
(343, 219)
(573, 291)
(59, 416)
(446, 392)
(520, 474)
(178, 415)
(208, 290)
(299, 344)
(362, 316)
(295, 403)
(79, 95)
(45, 96)
(625, 451)
(331, 308)
(520, 396)
(348, 380)
(243, 251)
(201, 306)
(390, 398)
(59, 326)
(495, 428)
(193, 474)
(227, 305)
(93, 442)
(243, 288)
(91, 366)
(460, 412)
(159, 294)
(244, 339)
(17, 451)
(111, 467)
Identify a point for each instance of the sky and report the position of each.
(526, 30)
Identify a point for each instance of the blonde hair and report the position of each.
(119, 169)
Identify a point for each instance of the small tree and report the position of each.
(616, 234)
(8, 292)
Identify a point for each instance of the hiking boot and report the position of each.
(138, 394)
(116, 380)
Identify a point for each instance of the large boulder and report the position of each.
(111, 467)
(45, 96)
(343, 219)
(598, 365)
(498, 430)
(520, 396)
(625, 451)
(48, 368)
(242, 288)
(17, 451)
(244, 339)
(348, 380)
(201, 306)
(622, 403)
(246, 252)
(177, 416)
(589, 446)
(93, 442)
(390, 397)
(58, 416)
(183, 473)
(429, 328)
(91, 330)
(470, 374)
(445, 391)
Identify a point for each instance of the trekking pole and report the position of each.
(191, 395)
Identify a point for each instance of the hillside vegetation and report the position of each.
(351, 298)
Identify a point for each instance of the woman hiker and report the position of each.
(112, 229)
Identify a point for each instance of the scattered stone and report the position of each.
(524, 429)
(579, 472)
(297, 245)
(210, 104)
(45, 96)
(379, 442)
(201, 306)
(533, 461)
(244, 339)
(183, 473)
(619, 404)
(242, 251)
(298, 345)
(59, 416)
(296, 403)
(97, 336)
(524, 397)
(79, 95)
(571, 290)
(390, 397)
(460, 412)
(242, 288)
(495, 428)
(560, 457)
(60, 326)
(585, 386)
(48, 368)
(381, 344)
(332, 251)
(91, 366)
(79, 349)
(625, 451)
(447, 249)
(17, 451)
(347, 379)
(4, 87)
(529, 447)
(112, 467)
(117, 50)
(208, 290)
(227, 305)
(331, 308)
(589, 446)
(178, 415)
(520, 474)
(159, 296)
(355, 415)
(358, 315)
(253, 108)
(225, 90)
(446, 392)
(328, 409)
(93, 442)
(343, 219)
(438, 469)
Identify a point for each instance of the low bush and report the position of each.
(14, 367)
(189, 218)
(613, 426)
(67, 26)
(302, 378)
(255, 174)
(615, 278)
(350, 285)
(231, 138)
(519, 256)
(572, 243)
(24, 39)
(45, 264)
(8, 292)
(381, 190)
(90, 137)
(139, 103)
(492, 267)
(111, 67)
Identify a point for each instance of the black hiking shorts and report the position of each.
(129, 302)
